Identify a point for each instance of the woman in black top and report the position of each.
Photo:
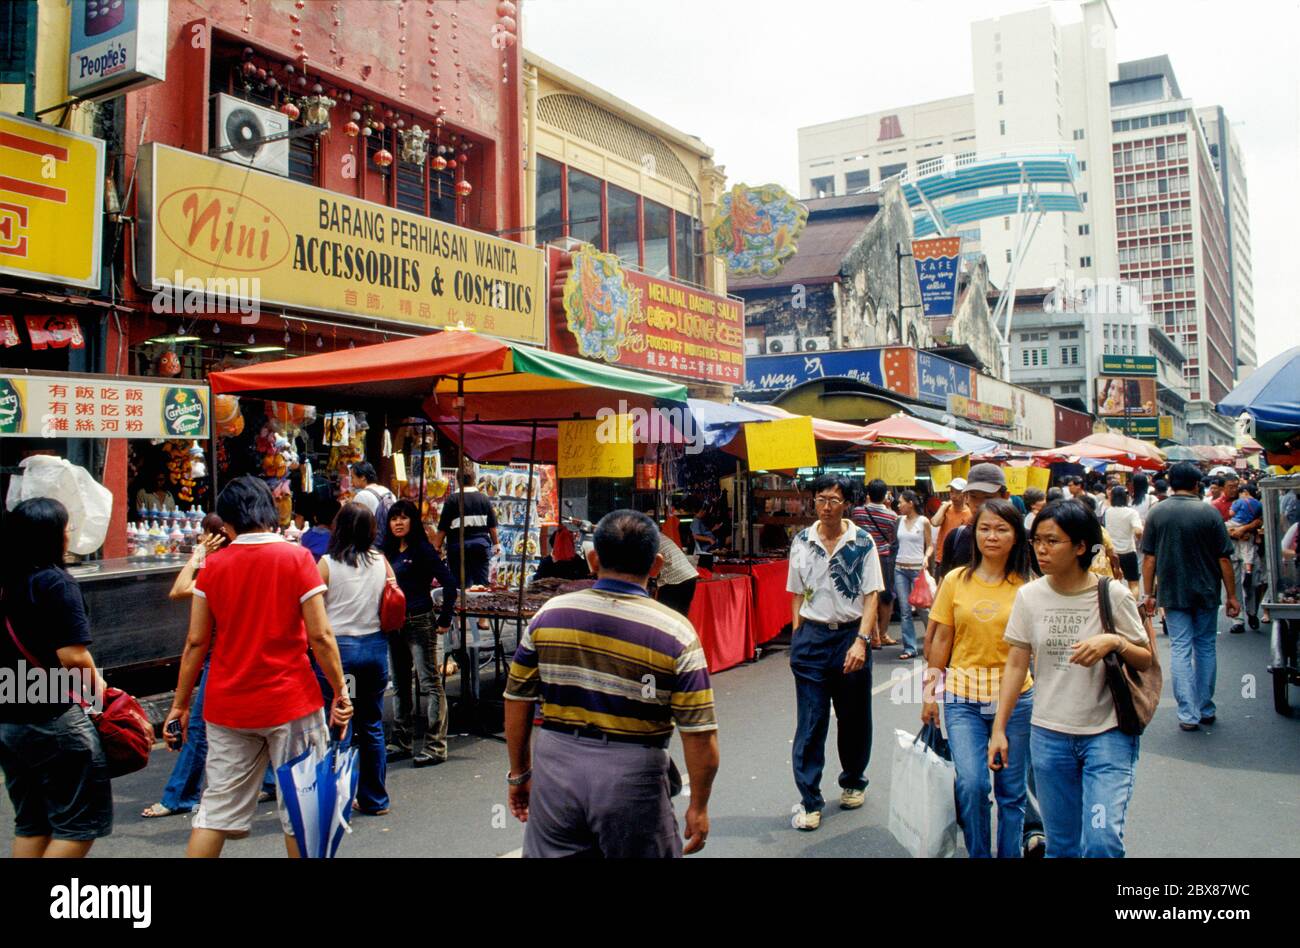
(416, 564)
(54, 767)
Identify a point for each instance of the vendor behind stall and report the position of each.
(153, 493)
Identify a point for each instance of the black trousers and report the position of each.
(678, 596)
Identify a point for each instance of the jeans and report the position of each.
(970, 724)
(903, 580)
(1085, 783)
(817, 660)
(418, 647)
(185, 785)
(1192, 660)
(365, 659)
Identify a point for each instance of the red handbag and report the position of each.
(392, 604)
(124, 730)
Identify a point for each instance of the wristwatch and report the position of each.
(864, 637)
(519, 781)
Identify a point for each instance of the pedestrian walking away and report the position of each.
(614, 672)
(835, 575)
(1187, 554)
(882, 524)
(915, 547)
(55, 770)
(1081, 759)
(965, 672)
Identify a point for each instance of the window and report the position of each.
(823, 187)
(14, 23)
(1024, 357)
(686, 235)
(1083, 230)
(1078, 134)
(623, 237)
(1083, 166)
(888, 171)
(1008, 256)
(1006, 223)
(657, 227)
(1083, 197)
(585, 208)
(1085, 262)
(856, 181)
(1002, 126)
(1000, 97)
(550, 213)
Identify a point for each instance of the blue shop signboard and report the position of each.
(938, 260)
(892, 368)
(937, 378)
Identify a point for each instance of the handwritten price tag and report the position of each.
(595, 448)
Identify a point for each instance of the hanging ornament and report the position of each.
(290, 109)
(439, 163)
(383, 158)
(170, 364)
(463, 188)
(352, 129)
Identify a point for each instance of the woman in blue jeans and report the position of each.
(968, 653)
(1083, 763)
(915, 547)
(355, 573)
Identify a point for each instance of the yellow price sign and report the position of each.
(896, 468)
(1039, 477)
(780, 445)
(1017, 479)
(961, 467)
(601, 448)
(940, 476)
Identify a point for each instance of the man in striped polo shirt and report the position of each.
(614, 671)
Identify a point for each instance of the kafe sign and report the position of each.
(101, 406)
(115, 46)
(219, 228)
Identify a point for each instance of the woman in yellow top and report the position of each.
(971, 613)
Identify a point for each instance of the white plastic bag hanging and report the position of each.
(922, 808)
(89, 503)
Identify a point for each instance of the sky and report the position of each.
(745, 75)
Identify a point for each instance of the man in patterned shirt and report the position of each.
(835, 573)
(614, 671)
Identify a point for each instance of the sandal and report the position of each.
(906, 656)
(158, 810)
(886, 641)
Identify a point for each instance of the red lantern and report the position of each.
(352, 128)
(463, 188)
(439, 162)
(383, 157)
(290, 110)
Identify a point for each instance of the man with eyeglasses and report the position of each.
(835, 574)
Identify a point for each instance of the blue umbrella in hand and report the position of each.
(318, 793)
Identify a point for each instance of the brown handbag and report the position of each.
(1135, 693)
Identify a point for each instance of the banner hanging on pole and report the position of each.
(938, 261)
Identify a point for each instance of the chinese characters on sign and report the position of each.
(36, 406)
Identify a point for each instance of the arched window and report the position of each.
(911, 337)
(894, 331)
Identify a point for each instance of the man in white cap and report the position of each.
(952, 513)
(985, 482)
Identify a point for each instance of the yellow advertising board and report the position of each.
(51, 203)
(940, 477)
(595, 448)
(1017, 479)
(896, 468)
(216, 227)
(961, 467)
(1039, 477)
(780, 445)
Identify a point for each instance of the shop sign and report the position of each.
(116, 46)
(896, 468)
(1130, 365)
(1032, 419)
(756, 230)
(937, 378)
(1126, 397)
(51, 203)
(980, 412)
(37, 406)
(230, 231)
(937, 261)
(783, 444)
(595, 448)
(893, 368)
(1145, 429)
(1166, 427)
(626, 318)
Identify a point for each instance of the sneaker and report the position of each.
(1035, 846)
(1238, 629)
(803, 820)
(427, 758)
(852, 799)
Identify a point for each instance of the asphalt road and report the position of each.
(1225, 791)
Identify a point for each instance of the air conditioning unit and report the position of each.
(243, 124)
(815, 343)
(781, 344)
(753, 346)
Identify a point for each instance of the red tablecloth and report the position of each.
(723, 615)
(771, 601)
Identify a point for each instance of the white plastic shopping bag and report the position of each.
(89, 503)
(922, 808)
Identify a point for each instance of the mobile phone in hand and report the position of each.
(172, 733)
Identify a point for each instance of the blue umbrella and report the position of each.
(318, 794)
(1271, 396)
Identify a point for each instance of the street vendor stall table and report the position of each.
(723, 615)
(771, 601)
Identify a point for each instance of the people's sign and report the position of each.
(36, 406)
(938, 261)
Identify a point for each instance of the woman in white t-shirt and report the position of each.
(1124, 524)
(1143, 499)
(355, 573)
(1083, 764)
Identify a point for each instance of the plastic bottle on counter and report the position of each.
(176, 540)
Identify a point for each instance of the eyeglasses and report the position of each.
(1048, 541)
(828, 502)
